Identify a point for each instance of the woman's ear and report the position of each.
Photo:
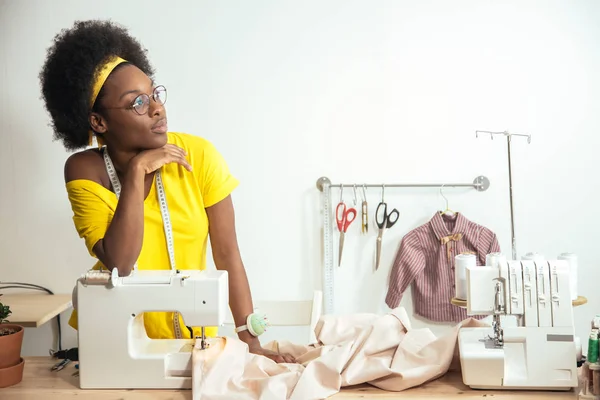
(97, 123)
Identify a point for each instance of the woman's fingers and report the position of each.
(288, 358)
(183, 162)
(177, 154)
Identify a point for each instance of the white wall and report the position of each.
(359, 91)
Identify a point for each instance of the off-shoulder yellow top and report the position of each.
(187, 193)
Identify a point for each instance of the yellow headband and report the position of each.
(101, 75)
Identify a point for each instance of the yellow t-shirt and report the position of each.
(187, 194)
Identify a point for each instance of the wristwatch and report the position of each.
(256, 324)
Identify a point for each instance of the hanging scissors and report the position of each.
(365, 211)
(384, 221)
(344, 218)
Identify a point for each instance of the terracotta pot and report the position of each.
(12, 375)
(10, 346)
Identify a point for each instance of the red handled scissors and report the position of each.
(344, 218)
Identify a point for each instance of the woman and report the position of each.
(97, 81)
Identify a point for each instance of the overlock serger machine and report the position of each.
(538, 352)
(114, 349)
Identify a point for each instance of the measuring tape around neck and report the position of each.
(162, 200)
(164, 210)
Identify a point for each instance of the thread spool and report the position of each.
(533, 256)
(592, 356)
(96, 277)
(571, 258)
(596, 322)
(494, 259)
(92, 277)
(461, 263)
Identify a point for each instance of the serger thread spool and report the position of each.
(537, 257)
(494, 259)
(461, 263)
(571, 258)
(596, 322)
(592, 356)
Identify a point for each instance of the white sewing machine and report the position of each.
(539, 352)
(114, 349)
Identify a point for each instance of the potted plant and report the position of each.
(11, 341)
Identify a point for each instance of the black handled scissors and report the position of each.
(384, 221)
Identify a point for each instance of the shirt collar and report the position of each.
(438, 224)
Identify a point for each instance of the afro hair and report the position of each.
(70, 66)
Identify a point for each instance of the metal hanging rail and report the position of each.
(481, 184)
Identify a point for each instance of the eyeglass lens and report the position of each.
(142, 102)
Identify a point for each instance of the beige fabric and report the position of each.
(382, 350)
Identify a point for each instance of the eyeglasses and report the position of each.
(141, 103)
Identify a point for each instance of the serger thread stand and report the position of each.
(510, 185)
(481, 184)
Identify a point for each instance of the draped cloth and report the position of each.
(382, 350)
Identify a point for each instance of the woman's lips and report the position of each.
(160, 126)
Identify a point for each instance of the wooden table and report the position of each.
(34, 310)
(41, 383)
